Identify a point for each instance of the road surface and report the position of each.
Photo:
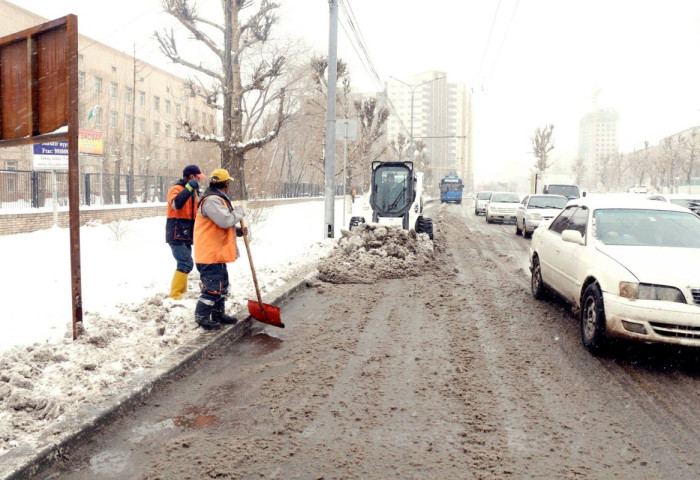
(457, 373)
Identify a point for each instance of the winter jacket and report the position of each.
(215, 229)
(182, 207)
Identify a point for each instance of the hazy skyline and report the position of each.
(529, 63)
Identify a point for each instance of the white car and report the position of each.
(629, 266)
(688, 200)
(502, 207)
(481, 201)
(535, 209)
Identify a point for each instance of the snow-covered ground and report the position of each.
(129, 321)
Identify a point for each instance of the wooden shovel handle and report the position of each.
(252, 267)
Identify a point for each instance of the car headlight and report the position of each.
(535, 216)
(647, 291)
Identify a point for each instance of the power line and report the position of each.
(488, 40)
(503, 40)
(359, 44)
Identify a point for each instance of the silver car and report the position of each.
(481, 202)
(535, 209)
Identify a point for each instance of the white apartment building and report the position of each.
(152, 103)
(598, 131)
(437, 113)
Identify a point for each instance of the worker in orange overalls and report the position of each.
(215, 234)
(179, 225)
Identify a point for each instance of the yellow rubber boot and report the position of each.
(179, 285)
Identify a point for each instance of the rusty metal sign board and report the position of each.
(39, 104)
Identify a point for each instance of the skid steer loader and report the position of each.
(396, 197)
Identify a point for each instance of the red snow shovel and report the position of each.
(260, 311)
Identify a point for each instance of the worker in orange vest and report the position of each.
(353, 192)
(179, 226)
(215, 234)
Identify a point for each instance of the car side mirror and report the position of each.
(573, 236)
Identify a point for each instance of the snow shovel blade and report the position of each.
(268, 314)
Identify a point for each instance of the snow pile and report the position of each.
(370, 252)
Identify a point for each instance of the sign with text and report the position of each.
(90, 142)
(50, 156)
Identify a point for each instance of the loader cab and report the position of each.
(393, 190)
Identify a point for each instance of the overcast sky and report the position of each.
(530, 62)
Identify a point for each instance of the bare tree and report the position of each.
(542, 144)
(691, 153)
(579, 170)
(399, 145)
(369, 146)
(671, 153)
(239, 90)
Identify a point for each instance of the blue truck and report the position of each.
(451, 188)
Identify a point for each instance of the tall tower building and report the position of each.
(436, 111)
(597, 139)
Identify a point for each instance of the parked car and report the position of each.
(637, 189)
(481, 201)
(502, 207)
(535, 209)
(629, 266)
(687, 200)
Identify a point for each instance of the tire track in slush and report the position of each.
(591, 409)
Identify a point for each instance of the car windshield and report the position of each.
(642, 227)
(505, 198)
(483, 196)
(547, 202)
(689, 203)
(566, 190)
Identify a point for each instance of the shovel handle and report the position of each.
(252, 267)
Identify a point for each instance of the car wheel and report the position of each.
(517, 228)
(488, 219)
(537, 287)
(593, 334)
(526, 234)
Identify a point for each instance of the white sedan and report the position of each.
(502, 207)
(629, 266)
(535, 209)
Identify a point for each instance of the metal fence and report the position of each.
(27, 189)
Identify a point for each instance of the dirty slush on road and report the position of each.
(374, 381)
(404, 359)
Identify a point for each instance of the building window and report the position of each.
(81, 80)
(81, 111)
(11, 179)
(127, 122)
(156, 128)
(156, 103)
(113, 87)
(113, 119)
(196, 116)
(97, 85)
(80, 57)
(114, 69)
(142, 98)
(177, 109)
(167, 106)
(128, 92)
(140, 125)
(98, 117)
(167, 129)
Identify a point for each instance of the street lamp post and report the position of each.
(413, 91)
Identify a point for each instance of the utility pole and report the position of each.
(330, 119)
(413, 91)
(133, 126)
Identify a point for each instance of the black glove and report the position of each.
(192, 185)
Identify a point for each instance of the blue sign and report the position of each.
(51, 156)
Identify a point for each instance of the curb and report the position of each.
(25, 461)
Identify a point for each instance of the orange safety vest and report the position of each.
(185, 212)
(213, 244)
